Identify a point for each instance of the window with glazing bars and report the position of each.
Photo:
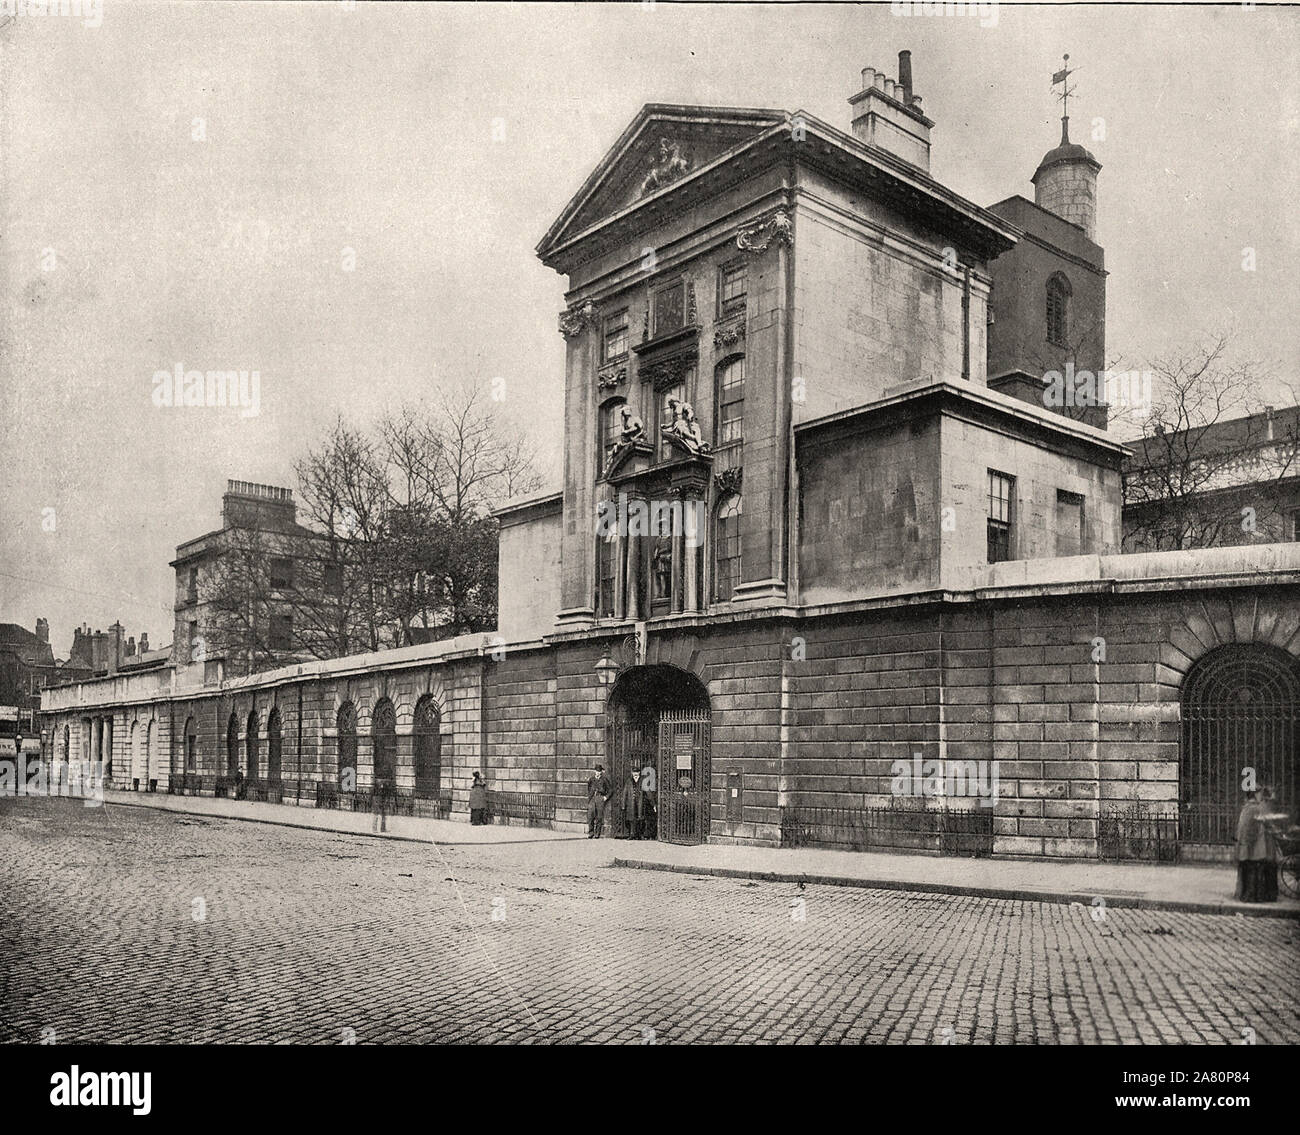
(1001, 487)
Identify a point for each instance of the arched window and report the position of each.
(67, 743)
(273, 743)
(383, 733)
(191, 745)
(232, 745)
(729, 421)
(347, 728)
(428, 747)
(250, 746)
(1058, 310)
(148, 753)
(611, 431)
(726, 548)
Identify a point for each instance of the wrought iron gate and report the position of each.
(684, 775)
(635, 746)
(1241, 705)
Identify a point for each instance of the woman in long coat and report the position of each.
(1256, 852)
(478, 801)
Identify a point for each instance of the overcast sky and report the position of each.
(372, 129)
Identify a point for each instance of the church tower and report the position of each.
(1065, 182)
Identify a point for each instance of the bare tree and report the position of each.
(1211, 466)
(451, 461)
(343, 484)
(400, 545)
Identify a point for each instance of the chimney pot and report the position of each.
(888, 117)
(905, 75)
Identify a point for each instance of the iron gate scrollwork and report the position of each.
(684, 776)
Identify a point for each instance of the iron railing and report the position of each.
(185, 784)
(947, 831)
(531, 809)
(395, 802)
(1125, 832)
(265, 791)
(1209, 822)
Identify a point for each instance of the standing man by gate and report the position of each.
(650, 786)
(598, 790)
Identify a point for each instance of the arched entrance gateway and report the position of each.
(659, 716)
(1240, 709)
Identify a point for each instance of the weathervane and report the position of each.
(1063, 77)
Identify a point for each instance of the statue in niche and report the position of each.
(670, 167)
(662, 565)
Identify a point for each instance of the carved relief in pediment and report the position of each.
(670, 164)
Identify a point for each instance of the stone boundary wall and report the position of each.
(1075, 696)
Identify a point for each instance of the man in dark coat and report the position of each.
(599, 789)
(633, 807)
(649, 787)
(381, 796)
(478, 801)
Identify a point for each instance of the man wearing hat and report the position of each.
(633, 807)
(598, 791)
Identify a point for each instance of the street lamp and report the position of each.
(607, 670)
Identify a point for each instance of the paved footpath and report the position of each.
(140, 924)
(1195, 888)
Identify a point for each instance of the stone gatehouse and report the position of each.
(851, 537)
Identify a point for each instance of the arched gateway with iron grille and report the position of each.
(660, 717)
(1241, 705)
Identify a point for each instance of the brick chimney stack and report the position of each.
(116, 646)
(43, 630)
(887, 115)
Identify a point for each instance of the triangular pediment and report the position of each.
(662, 146)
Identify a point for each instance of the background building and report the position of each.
(256, 592)
(1232, 482)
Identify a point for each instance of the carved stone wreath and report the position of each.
(608, 379)
(728, 481)
(774, 228)
(729, 334)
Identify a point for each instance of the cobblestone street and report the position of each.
(133, 925)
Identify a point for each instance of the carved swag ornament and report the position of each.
(576, 319)
(757, 237)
